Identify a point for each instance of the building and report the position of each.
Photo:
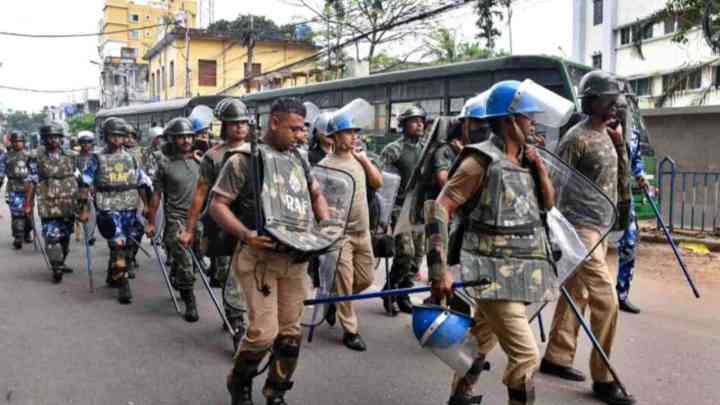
(132, 28)
(605, 33)
(217, 64)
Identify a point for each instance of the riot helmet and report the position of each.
(178, 126)
(52, 128)
(412, 112)
(17, 136)
(201, 118)
(511, 97)
(355, 115)
(445, 333)
(86, 137)
(232, 110)
(472, 118)
(132, 132)
(597, 83)
(114, 126)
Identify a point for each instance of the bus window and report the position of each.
(434, 108)
(456, 104)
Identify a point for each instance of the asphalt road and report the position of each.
(60, 344)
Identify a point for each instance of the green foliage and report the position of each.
(22, 121)
(265, 29)
(85, 122)
(443, 46)
(489, 16)
(383, 62)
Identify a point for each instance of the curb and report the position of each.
(712, 244)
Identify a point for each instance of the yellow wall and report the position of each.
(116, 17)
(230, 59)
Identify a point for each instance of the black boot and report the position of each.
(403, 301)
(17, 244)
(629, 307)
(566, 373)
(610, 393)
(390, 303)
(124, 293)
(239, 383)
(464, 399)
(191, 314)
(57, 274)
(521, 396)
(353, 341)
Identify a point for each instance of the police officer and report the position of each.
(53, 177)
(153, 153)
(86, 144)
(494, 185)
(132, 146)
(320, 144)
(272, 280)
(401, 157)
(355, 265)
(236, 126)
(175, 182)
(116, 177)
(14, 166)
(597, 150)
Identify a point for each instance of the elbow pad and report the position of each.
(436, 232)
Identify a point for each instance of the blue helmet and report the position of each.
(355, 115)
(507, 98)
(199, 125)
(438, 327)
(475, 107)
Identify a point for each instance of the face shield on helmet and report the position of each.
(311, 113)
(446, 334)
(355, 115)
(201, 118)
(545, 106)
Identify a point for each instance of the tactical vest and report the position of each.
(116, 182)
(409, 156)
(57, 189)
(17, 171)
(504, 238)
(288, 216)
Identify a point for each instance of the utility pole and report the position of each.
(250, 54)
(187, 62)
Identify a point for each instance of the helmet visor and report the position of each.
(542, 105)
(201, 117)
(357, 114)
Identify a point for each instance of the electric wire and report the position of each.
(93, 34)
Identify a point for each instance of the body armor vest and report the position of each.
(17, 170)
(117, 182)
(57, 190)
(409, 157)
(505, 240)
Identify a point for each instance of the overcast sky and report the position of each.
(64, 63)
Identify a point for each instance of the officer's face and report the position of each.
(302, 137)
(605, 106)
(184, 143)
(54, 142)
(236, 131)
(86, 147)
(475, 130)
(284, 129)
(116, 140)
(414, 126)
(526, 125)
(345, 141)
(622, 106)
(19, 145)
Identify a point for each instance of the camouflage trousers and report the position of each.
(409, 253)
(56, 233)
(181, 265)
(506, 323)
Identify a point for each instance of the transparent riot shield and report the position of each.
(338, 187)
(387, 195)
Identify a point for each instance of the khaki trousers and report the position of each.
(280, 312)
(355, 273)
(506, 322)
(593, 286)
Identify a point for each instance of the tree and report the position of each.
(84, 122)
(490, 15)
(23, 121)
(443, 46)
(344, 19)
(265, 29)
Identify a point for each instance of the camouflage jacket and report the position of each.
(401, 157)
(14, 166)
(56, 179)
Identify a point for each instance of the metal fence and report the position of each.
(689, 200)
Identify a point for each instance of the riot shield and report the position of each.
(338, 187)
(387, 195)
(410, 218)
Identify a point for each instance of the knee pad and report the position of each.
(18, 226)
(286, 347)
(118, 261)
(55, 252)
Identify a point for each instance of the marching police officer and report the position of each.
(53, 178)
(236, 126)
(86, 143)
(401, 157)
(598, 151)
(269, 263)
(132, 146)
(494, 184)
(14, 166)
(117, 178)
(175, 182)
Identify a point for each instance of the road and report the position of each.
(60, 344)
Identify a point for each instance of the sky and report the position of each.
(60, 64)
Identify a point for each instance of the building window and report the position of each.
(694, 80)
(669, 24)
(152, 84)
(641, 87)
(256, 69)
(207, 73)
(164, 79)
(172, 73)
(597, 12)
(683, 81)
(597, 60)
(134, 18)
(135, 34)
(157, 82)
(625, 36)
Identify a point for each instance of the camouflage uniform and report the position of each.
(138, 153)
(594, 155)
(82, 161)
(56, 185)
(442, 160)
(401, 157)
(210, 166)
(505, 243)
(176, 179)
(116, 178)
(14, 166)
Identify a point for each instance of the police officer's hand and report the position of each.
(150, 230)
(185, 238)
(616, 134)
(359, 154)
(28, 210)
(442, 288)
(533, 158)
(258, 242)
(83, 216)
(644, 185)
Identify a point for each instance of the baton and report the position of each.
(390, 293)
(672, 245)
(88, 262)
(41, 244)
(163, 270)
(142, 249)
(201, 271)
(543, 338)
